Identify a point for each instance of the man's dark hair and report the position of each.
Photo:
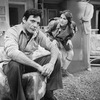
(32, 11)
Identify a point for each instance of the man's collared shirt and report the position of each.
(16, 41)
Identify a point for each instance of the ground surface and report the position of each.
(83, 86)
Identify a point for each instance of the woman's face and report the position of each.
(63, 20)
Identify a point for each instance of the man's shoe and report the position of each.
(49, 96)
(66, 73)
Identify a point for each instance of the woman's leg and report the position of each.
(67, 57)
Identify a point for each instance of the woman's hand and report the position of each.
(69, 42)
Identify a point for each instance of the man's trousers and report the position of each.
(15, 70)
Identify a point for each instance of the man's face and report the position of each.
(31, 25)
(63, 20)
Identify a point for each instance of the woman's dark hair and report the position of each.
(68, 15)
(32, 11)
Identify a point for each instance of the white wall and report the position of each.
(4, 15)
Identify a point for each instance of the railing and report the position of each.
(94, 43)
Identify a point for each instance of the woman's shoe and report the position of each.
(89, 69)
(66, 73)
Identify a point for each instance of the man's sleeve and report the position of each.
(44, 41)
(89, 13)
(11, 43)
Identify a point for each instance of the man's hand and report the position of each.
(48, 69)
(40, 69)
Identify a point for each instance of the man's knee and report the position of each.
(57, 64)
(13, 65)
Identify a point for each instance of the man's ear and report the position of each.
(23, 19)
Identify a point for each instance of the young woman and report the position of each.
(62, 29)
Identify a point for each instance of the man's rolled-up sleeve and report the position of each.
(11, 44)
(89, 13)
(44, 41)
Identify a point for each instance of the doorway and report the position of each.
(16, 12)
(99, 22)
(13, 11)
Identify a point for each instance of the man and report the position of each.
(63, 29)
(85, 15)
(21, 43)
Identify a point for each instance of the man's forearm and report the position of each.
(22, 58)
